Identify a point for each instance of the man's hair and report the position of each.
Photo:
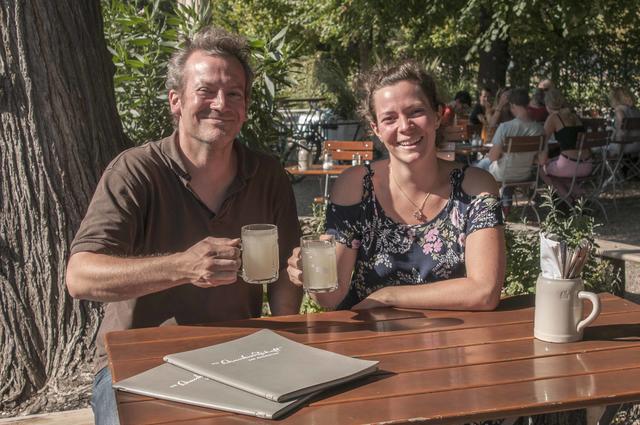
(464, 97)
(215, 42)
(519, 96)
(388, 75)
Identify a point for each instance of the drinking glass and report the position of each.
(260, 261)
(319, 267)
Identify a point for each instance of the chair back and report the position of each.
(522, 144)
(518, 161)
(454, 133)
(594, 124)
(341, 150)
(593, 139)
(630, 127)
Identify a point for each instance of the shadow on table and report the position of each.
(626, 332)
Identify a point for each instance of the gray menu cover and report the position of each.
(272, 366)
(168, 382)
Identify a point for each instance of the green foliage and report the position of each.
(140, 41)
(572, 226)
(142, 35)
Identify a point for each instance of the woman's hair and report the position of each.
(554, 99)
(539, 96)
(499, 94)
(388, 75)
(214, 42)
(621, 96)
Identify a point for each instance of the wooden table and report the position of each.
(317, 170)
(436, 366)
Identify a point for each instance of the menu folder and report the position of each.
(271, 366)
(168, 382)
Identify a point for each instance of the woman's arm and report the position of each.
(347, 190)
(480, 290)
(484, 263)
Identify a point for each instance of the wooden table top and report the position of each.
(317, 170)
(435, 366)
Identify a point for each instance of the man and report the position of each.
(520, 163)
(459, 107)
(159, 243)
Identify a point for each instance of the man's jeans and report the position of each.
(103, 400)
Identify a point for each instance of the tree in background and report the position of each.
(585, 46)
(59, 129)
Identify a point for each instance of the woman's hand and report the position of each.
(294, 268)
(375, 300)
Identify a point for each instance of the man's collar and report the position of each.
(247, 159)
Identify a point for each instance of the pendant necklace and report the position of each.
(417, 214)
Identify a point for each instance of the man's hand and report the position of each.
(212, 262)
(294, 268)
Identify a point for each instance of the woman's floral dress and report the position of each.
(391, 253)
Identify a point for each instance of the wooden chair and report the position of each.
(454, 133)
(345, 150)
(594, 124)
(521, 146)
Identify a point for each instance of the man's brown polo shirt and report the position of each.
(143, 206)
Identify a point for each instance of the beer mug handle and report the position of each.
(595, 301)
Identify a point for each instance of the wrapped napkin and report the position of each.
(558, 261)
(550, 252)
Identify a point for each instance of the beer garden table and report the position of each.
(435, 366)
(317, 170)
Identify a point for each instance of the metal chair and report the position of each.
(588, 187)
(519, 154)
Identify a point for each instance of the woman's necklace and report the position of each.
(417, 214)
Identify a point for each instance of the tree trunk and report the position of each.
(492, 68)
(59, 129)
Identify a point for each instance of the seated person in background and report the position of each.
(546, 84)
(413, 231)
(519, 163)
(483, 109)
(501, 111)
(460, 107)
(537, 109)
(564, 126)
(623, 104)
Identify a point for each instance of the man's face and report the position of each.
(211, 107)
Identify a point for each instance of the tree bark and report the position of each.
(58, 129)
(492, 66)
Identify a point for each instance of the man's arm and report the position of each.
(99, 277)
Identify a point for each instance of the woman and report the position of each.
(563, 125)
(483, 109)
(413, 231)
(501, 112)
(623, 104)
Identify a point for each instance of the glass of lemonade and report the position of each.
(319, 267)
(260, 261)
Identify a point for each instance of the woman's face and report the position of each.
(485, 97)
(406, 122)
